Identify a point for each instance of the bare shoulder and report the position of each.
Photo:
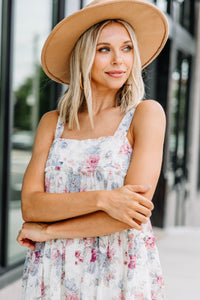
(50, 118)
(149, 115)
(150, 107)
(48, 121)
(46, 129)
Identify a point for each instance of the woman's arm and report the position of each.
(48, 207)
(148, 130)
(39, 206)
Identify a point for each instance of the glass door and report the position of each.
(177, 172)
(32, 23)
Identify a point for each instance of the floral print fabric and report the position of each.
(122, 266)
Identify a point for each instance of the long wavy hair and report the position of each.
(81, 61)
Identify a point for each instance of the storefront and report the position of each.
(26, 94)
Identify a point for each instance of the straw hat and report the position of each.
(149, 23)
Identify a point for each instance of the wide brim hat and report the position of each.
(149, 23)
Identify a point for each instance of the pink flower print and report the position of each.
(71, 296)
(132, 262)
(42, 289)
(94, 255)
(92, 162)
(110, 253)
(138, 296)
(37, 257)
(125, 148)
(69, 242)
(47, 185)
(57, 168)
(153, 297)
(88, 241)
(150, 242)
(117, 166)
(55, 254)
(160, 281)
(119, 240)
(131, 241)
(78, 255)
(63, 256)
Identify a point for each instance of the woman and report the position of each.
(86, 195)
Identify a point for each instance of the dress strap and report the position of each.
(59, 128)
(125, 124)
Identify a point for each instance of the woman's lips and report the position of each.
(116, 74)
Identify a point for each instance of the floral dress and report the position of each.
(121, 266)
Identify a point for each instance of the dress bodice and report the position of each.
(104, 160)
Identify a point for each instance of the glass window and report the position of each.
(179, 109)
(71, 6)
(86, 2)
(184, 13)
(163, 5)
(32, 23)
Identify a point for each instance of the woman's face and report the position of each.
(113, 59)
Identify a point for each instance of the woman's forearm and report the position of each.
(124, 204)
(91, 225)
(52, 207)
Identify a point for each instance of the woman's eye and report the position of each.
(128, 48)
(104, 49)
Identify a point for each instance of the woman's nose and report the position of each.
(117, 57)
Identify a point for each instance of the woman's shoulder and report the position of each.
(50, 116)
(47, 124)
(150, 110)
(149, 106)
(149, 114)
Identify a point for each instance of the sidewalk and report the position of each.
(179, 250)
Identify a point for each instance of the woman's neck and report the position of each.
(103, 99)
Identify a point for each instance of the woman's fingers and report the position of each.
(28, 243)
(143, 201)
(128, 205)
(142, 210)
(24, 241)
(133, 223)
(138, 216)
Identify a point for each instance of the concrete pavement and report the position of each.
(179, 250)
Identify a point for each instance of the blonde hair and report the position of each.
(81, 62)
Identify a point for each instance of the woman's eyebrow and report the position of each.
(104, 43)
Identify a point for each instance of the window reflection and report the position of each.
(32, 23)
(184, 13)
(162, 4)
(178, 136)
(71, 6)
(86, 2)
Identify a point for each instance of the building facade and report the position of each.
(26, 94)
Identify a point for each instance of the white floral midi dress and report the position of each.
(121, 266)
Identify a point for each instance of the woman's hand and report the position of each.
(127, 205)
(31, 233)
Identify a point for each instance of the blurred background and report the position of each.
(172, 79)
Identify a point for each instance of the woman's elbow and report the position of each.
(26, 208)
